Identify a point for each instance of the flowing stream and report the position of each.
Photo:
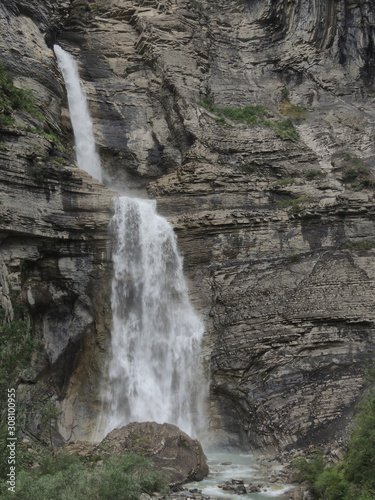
(155, 370)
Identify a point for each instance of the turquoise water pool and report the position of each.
(227, 466)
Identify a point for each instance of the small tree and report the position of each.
(50, 414)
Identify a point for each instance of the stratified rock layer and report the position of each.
(276, 226)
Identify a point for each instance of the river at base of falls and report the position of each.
(226, 466)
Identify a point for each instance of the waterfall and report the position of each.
(155, 370)
(156, 333)
(87, 157)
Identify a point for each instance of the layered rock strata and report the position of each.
(274, 214)
(55, 243)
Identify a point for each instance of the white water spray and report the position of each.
(155, 370)
(87, 157)
(156, 333)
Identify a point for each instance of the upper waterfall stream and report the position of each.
(154, 371)
(85, 149)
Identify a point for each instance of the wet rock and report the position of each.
(252, 488)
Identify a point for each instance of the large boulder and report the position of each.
(169, 448)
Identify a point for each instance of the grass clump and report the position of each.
(295, 203)
(360, 245)
(251, 115)
(61, 476)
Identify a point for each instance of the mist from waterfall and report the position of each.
(85, 148)
(155, 371)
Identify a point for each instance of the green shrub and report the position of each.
(284, 129)
(295, 203)
(252, 115)
(314, 174)
(296, 113)
(287, 181)
(354, 477)
(61, 476)
(357, 173)
(16, 349)
(12, 98)
(308, 470)
(360, 459)
(331, 484)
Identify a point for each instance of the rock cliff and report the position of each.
(251, 123)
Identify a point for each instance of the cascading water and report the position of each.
(156, 333)
(87, 157)
(154, 372)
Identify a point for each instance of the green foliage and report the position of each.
(52, 137)
(16, 349)
(331, 484)
(308, 470)
(252, 115)
(12, 98)
(360, 460)
(5, 120)
(354, 477)
(284, 129)
(360, 245)
(285, 93)
(49, 416)
(314, 174)
(295, 203)
(287, 181)
(61, 476)
(4, 453)
(357, 173)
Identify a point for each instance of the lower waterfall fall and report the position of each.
(154, 370)
(156, 333)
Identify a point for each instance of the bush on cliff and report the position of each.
(354, 477)
(12, 98)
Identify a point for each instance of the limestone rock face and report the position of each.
(55, 245)
(169, 448)
(276, 223)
